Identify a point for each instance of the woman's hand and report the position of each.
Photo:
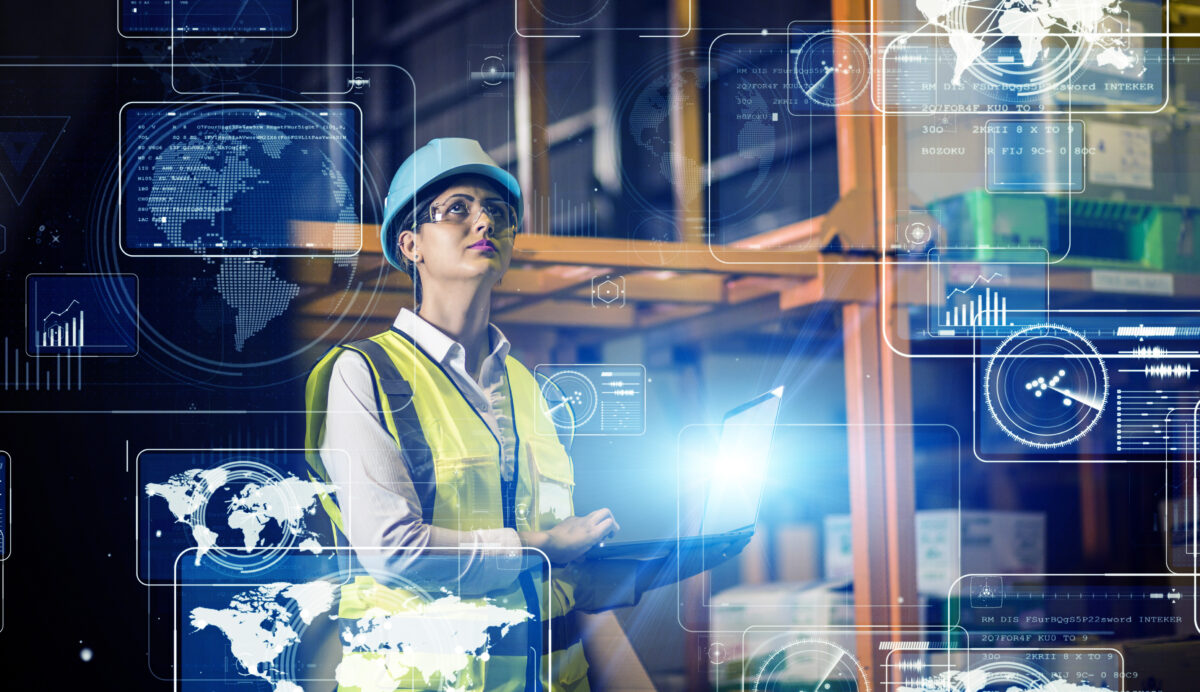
(573, 537)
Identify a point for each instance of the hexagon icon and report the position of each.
(608, 291)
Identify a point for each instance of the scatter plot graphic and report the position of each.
(207, 17)
(829, 69)
(240, 180)
(81, 315)
(239, 510)
(785, 662)
(589, 399)
(1046, 386)
(572, 398)
(1150, 370)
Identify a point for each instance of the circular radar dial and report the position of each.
(832, 68)
(807, 664)
(572, 399)
(232, 522)
(559, 13)
(1046, 386)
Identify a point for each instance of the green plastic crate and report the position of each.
(1103, 233)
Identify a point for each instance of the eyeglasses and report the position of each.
(461, 211)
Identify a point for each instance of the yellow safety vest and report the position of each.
(454, 462)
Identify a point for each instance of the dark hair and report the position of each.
(417, 213)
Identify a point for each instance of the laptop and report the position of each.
(734, 493)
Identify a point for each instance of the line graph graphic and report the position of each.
(63, 328)
(985, 309)
(81, 315)
(986, 292)
(984, 279)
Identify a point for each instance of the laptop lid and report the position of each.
(735, 490)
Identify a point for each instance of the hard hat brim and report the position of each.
(505, 179)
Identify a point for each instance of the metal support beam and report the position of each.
(878, 399)
(569, 313)
(643, 254)
(687, 156)
(533, 164)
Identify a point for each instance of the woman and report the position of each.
(438, 422)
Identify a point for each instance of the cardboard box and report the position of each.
(950, 544)
(1170, 665)
(796, 556)
(808, 610)
(839, 558)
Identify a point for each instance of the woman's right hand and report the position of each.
(572, 537)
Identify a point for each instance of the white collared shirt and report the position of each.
(489, 395)
(383, 507)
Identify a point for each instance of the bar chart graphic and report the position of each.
(989, 292)
(81, 315)
(63, 328)
(969, 308)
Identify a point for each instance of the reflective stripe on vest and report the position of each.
(453, 459)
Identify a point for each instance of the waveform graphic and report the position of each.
(915, 665)
(1156, 352)
(1165, 370)
(964, 291)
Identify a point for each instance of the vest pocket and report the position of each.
(468, 494)
(553, 482)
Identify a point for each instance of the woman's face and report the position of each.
(476, 250)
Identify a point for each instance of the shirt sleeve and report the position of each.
(382, 511)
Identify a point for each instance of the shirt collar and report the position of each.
(435, 342)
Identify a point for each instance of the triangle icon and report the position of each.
(562, 79)
(26, 142)
(18, 147)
